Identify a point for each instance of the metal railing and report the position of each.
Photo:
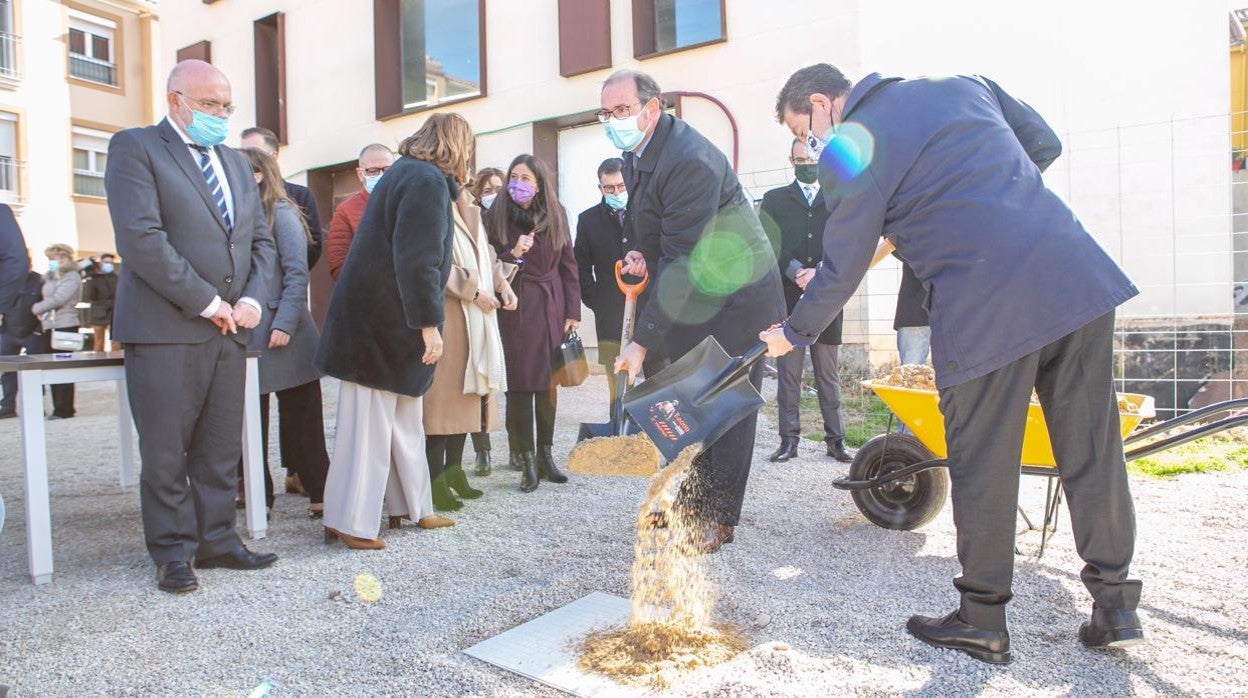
(8, 55)
(10, 180)
(92, 69)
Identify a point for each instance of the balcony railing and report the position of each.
(92, 69)
(10, 180)
(8, 56)
(88, 183)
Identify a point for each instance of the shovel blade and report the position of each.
(664, 406)
(592, 430)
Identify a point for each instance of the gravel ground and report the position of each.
(836, 627)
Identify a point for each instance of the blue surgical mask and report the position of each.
(207, 130)
(107, 268)
(617, 202)
(624, 133)
(53, 266)
(370, 181)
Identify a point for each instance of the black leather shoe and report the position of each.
(1111, 628)
(516, 462)
(241, 559)
(836, 449)
(176, 577)
(951, 632)
(482, 467)
(528, 472)
(546, 468)
(787, 450)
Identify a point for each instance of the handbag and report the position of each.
(65, 341)
(570, 366)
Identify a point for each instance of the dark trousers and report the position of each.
(984, 421)
(301, 440)
(523, 409)
(715, 490)
(12, 346)
(481, 441)
(443, 452)
(823, 359)
(63, 394)
(187, 403)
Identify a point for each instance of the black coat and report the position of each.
(712, 268)
(100, 290)
(14, 259)
(798, 228)
(911, 301)
(392, 283)
(600, 243)
(302, 197)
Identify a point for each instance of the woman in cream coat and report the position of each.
(470, 375)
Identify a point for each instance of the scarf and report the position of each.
(484, 373)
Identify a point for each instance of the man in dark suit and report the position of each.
(14, 266)
(795, 215)
(1019, 296)
(713, 270)
(265, 140)
(198, 255)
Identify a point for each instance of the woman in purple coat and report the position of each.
(528, 227)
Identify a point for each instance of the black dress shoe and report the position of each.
(546, 468)
(528, 472)
(241, 559)
(787, 450)
(951, 632)
(836, 449)
(176, 577)
(1111, 628)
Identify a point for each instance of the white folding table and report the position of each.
(36, 371)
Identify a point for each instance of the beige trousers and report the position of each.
(379, 453)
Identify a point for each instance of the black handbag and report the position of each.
(570, 367)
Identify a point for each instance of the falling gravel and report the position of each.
(821, 593)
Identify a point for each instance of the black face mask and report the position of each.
(807, 174)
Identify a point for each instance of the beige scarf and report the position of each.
(484, 373)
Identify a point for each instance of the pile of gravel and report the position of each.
(824, 593)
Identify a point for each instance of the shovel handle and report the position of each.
(630, 291)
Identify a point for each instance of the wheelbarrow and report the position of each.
(900, 481)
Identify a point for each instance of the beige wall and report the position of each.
(123, 106)
(95, 230)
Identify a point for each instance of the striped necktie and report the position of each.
(214, 186)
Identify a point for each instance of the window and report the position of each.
(8, 158)
(91, 50)
(427, 53)
(8, 41)
(200, 51)
(664, 26)
(270, 58)
(90, 158)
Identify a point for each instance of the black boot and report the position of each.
(787, 450)
(528, 472)
(458, 482)
(516, 462)
(443, 500)
(546, 467)
(836, 449)
(482, 468)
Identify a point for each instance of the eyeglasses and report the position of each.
(612, 188)
(374, 171)
(210, 106)
(621, 112)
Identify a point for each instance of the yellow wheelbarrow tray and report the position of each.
(899, 480)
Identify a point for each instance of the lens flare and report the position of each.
(722, 263)
(367, 588)
(849, 152)
(264, 689)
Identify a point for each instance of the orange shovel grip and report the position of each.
(630, 291)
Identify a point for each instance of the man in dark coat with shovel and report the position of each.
(713, 270)
(1018, 294)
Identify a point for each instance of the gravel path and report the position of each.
(834, 628)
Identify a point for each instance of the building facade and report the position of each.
(1146, 133)
(71, 74)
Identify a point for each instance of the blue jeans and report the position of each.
(913, 343)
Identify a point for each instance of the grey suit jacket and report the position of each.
(178, 253)
(287, 310)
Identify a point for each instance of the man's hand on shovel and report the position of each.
(630, 359)
(777, 343)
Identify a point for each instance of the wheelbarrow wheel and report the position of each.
(906, 503)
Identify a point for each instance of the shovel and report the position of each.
(618, 424)
(697, 398)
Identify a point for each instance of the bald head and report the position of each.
(197, 86)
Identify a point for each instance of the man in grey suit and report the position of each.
(198, 253)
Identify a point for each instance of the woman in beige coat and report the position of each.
(469, 376)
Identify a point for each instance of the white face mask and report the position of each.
(488, 200)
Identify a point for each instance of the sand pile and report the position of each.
(615, 455)
(670, 628)
(923, 377)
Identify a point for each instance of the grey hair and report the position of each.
(647, 87)
(374, 147)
